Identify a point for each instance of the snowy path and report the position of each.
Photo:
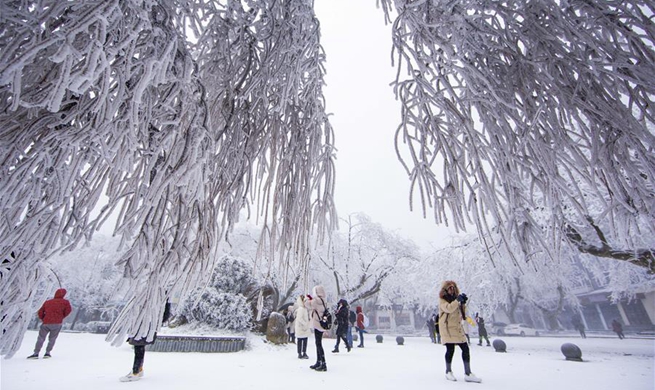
(87, 362)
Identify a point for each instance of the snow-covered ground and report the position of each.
(85, 361)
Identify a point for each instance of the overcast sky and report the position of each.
(369, 177)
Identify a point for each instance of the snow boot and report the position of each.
(322, 367)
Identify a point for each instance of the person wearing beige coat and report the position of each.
(452, 309)
(315, 305)
(302, 327)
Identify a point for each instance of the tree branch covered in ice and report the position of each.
(182, 114)
(542, 113)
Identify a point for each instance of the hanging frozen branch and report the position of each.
(541, 112)
(181, 113)
(642, 257)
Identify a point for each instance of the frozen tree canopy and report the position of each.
(542, 113)
(181, 113)
(175, 116)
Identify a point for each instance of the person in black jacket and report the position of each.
(140, 350)
(342, 324)
(482, 330)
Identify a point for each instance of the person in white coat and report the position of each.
(302, 327)
(315, 305)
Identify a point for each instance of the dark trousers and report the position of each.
(139, 355)
(466, 356)
(341, 336)
(320, 353)
(302, 345)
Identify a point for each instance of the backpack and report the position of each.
(353, 317)
(326, 319)
(365, 320)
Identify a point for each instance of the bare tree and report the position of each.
(537, 104)
(359, 261)
(181, 113)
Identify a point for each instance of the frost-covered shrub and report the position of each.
(231, 275)
(221, 303)
(219, 309)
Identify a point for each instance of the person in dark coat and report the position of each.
(140, 350)
(431, 324)
(482, 330)
(52, 314)
(577, 324)
(618, 328)
(342, 325)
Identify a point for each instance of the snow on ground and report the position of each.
(86, 362)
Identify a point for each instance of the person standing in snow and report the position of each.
(52, 314)
(482, 330)
(342, 325)
(140, 351)
(302, 326)
(360, 326)
(291, 330)
(316, 306)
(431, 324)
(352, 320)
(617, 328)
(452, 310)
(577, 324)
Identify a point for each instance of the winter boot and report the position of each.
(315, 365)
(322, 367)
(33, 356)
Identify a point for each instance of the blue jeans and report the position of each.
(361, 336)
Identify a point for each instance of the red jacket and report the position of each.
(360, 318)
(55, 310)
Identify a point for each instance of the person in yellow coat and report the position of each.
(452, 311)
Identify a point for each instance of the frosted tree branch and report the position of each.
(527, 116)
(173, 116)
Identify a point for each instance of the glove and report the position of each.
(462, 298)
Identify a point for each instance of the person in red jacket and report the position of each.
(52, 313)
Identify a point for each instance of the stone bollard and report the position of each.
(572, 352)
(400, 340)
(379, 338)
(499, 345)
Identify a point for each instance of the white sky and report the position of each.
(369, 177)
